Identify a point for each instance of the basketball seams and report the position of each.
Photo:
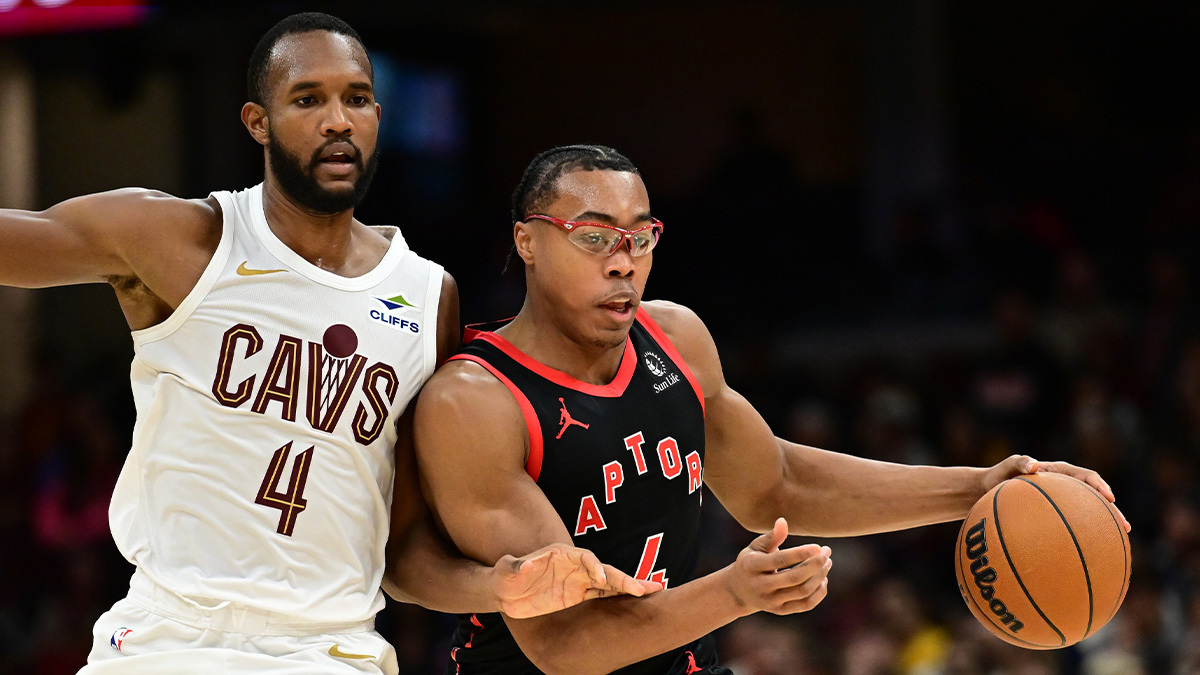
(1124, 552)
(1017, 576)
(1086, 576)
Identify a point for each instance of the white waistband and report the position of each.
(229, 616)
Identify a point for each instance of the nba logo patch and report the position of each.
(118, 638)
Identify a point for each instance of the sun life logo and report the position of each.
(386, 316)
(654, 364)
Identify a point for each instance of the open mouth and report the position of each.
(340, 158)
(338, 165)
(621, 308)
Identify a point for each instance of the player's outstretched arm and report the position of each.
(764, 578)
(100, 237)
(558, 577)
(759, 477)
(471, 446)
(424, 568)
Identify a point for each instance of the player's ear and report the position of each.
(523, 240)
(254, 116)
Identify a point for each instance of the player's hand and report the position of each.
(765, 578)
(557, 577)
(1018, 465)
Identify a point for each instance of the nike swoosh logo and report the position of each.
(247, 272)
(334, 651)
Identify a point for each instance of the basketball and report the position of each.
(1042, 561)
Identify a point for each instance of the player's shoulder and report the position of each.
(204, 213)
(462, 385)
(449, 287)
(676, 320)
(153, 201)
(465, 397)
(687, 332)
(137, 208)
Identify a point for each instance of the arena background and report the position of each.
(920, 230)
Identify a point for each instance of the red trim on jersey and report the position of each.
(533, 464)
(613, 389)
(470, 639)
(471, 332)
(475, 622)
(669, 347)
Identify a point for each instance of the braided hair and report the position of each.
(536, 189)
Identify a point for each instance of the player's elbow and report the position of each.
(562, 660)
(395, 585)
(756, 522)
(393, 591)
(406, 576)
(542, 653)
(757, 512)
(555, 648)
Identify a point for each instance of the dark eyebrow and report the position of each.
(300, 86)
(312, 84)
(598, 217)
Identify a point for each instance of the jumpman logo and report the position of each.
(692, 667)
(566, 420)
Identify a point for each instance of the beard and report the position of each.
(295, 178)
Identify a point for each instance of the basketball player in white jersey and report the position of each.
(278, 342)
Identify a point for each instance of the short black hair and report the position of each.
(536, 188)
(304, 22)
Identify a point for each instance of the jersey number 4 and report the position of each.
(291, 502)
(645, 570)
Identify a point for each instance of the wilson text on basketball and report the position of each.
(985, 576)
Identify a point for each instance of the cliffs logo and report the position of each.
(655, 365)
(388, 315)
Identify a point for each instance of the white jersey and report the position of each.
(262, 462)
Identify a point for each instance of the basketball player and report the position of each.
(594, 417)
(277, 343)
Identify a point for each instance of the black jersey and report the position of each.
(622, 464)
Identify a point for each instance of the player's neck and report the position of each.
(549, 340)
(325, 240)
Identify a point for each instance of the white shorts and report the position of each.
(156, 631)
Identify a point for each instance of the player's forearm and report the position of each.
(428, 573)
(601, 636)
(830, 494)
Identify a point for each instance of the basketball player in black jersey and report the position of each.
(594, 417)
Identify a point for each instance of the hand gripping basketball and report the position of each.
(1016, 465)
(556, 577)
(1043, 560)
(766, 578)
